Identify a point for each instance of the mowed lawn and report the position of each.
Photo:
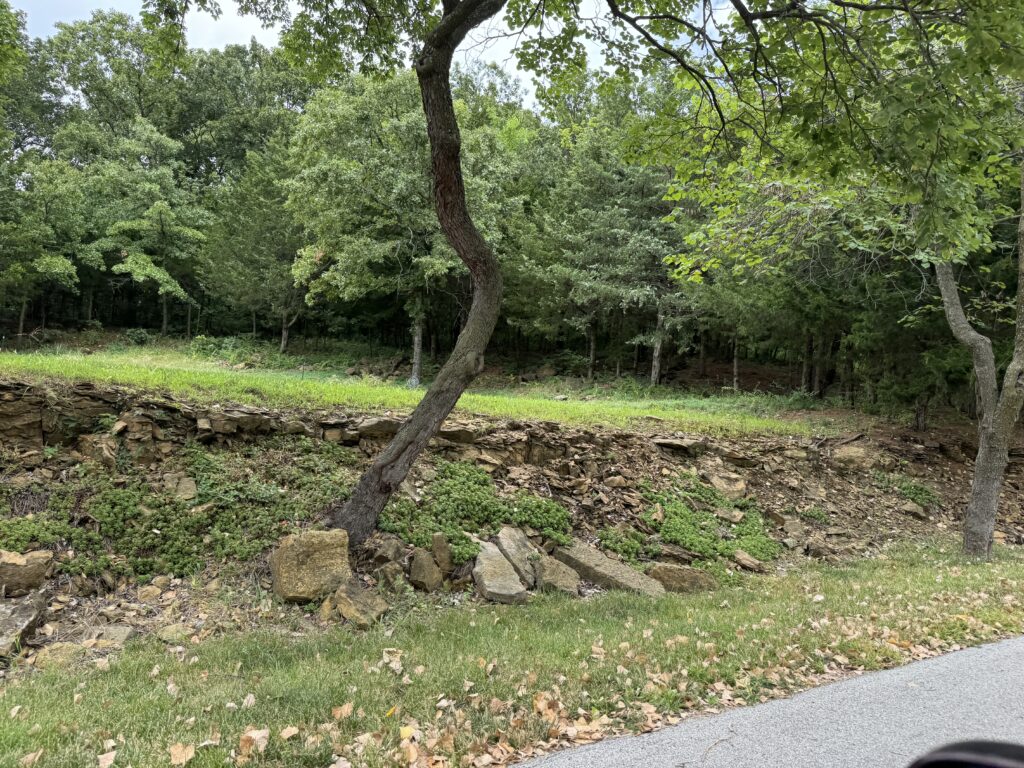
(207, 381)
(451, 684)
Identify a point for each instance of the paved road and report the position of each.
(879, 720)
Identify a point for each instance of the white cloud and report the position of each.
(206, 32)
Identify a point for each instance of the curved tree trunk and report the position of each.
(998, 407)
(417, 352)
(433, 69)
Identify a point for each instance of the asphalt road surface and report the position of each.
(878, 720)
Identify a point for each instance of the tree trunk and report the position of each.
(591, 351)
(805, 372)
(433, 69)
(285, 328)
(736, 364)
(701, 357)
(417, 352)
(21, 318)
(87, 309)
(254, 325)
(165, 315)
(188, 320)
(656, 352)
(998, 407)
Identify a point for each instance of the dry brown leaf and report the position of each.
(289, 732)
(253, 741)
(181, 754)
(31, 758)
(343, 712)
(106, 759)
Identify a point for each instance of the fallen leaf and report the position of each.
(253, 741)
(289, 732)
(31, 758)
(107, 759)
(343, 712)
(249, 701)
(181, 754)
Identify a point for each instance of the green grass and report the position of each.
(479, 671)
(168, 370)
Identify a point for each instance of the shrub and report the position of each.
(462, 499)
(629, 543)
(140, 337)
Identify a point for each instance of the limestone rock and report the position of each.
(423, 571)
(817, 546)
(442, 551)
(495, 577)
(387, 549)
(748, 562)
(685, 446)
(149, 593)
(730, 515)
(378, 427)
(20, 574)
(18, 619)
(730, 485)
(186, 489)
(392, 577)
(57, 655)
(681, 578)
(518, 550)
(914, 509)
(175, 634)
(307, 566)
(358, 605)
(110, 635)
(857, 456)
(594, 566)
(550, 574)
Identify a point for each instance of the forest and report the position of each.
(368, 402)
(236, 194)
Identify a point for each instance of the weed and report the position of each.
(910, 490)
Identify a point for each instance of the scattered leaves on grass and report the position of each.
(181, 754)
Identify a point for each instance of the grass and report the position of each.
(169, 370)
(478, 679)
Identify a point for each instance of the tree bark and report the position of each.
(188, 320)
(998, 407)
(164, 321)
(805, 372)
(21, 318)
(656, 351)
(433, 70)
(736, 364)
(591, 351)
(286, 327)
(417, 352)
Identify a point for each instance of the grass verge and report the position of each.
(205, 381)
(458, 682)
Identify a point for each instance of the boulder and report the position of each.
(20, 574)
(730, 485)
(18, 619)
(387, 549)
(729, 515)
(110, 635)
(857, 456)
(550, 574)
(748, 562)
(817, 546)
(391, 576)
(914, 509)
(594, 566)
(495, 578)
(442, 551)
(681, 578)
(308, 566)
(358, 605)
(423, 571)
(149, 593)
(186, 490)
(518, 550)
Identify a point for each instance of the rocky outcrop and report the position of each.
(518, 550)
(307, 566)
(681, 578)
(20, 574)
(423, 571)
(18, 619)
(495, 578)
(552, 575)
(597, 568)
(748, 562)
(358, 605)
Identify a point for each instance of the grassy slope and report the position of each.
(166, 370)
(761, 638)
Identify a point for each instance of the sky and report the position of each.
(207, 32)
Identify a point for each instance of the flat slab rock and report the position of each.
(594, 566)
(20, 574)
(518, 550)
(18, 619)
(308, 566)
(495, 578)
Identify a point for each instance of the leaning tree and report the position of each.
(757, 50)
